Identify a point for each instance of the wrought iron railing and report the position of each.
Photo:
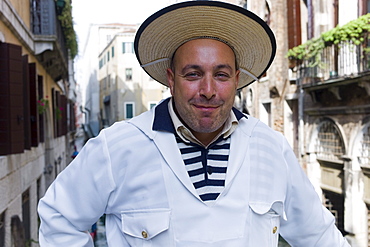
(336, 61)
(45, 23)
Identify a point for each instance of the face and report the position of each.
(203, 82)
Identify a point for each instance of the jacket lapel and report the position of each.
(167, 145)
(165, 142)
(239, 153)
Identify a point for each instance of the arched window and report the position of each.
(329, 143)
(364, 154)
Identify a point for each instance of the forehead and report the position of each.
(204, 48)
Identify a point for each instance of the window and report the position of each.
(329, 143)
(59, 104)
(265, 113)
(152, 104)
(294, 23)
(364, 154)
(335, 204)
(129, 110)
(21, 123)
(26, 217)
(11, 94)
(108, 57)
(112, 51)
(128, 47)
(128, 74)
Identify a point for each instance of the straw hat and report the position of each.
(162, 33)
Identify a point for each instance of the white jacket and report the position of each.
(136, 177)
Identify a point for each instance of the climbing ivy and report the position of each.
(66, 21)
(354, 32)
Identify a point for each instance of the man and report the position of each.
(193, 171)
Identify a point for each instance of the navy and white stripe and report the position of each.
(206, 166)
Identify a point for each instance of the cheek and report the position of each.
(185, 90)
(227, 93)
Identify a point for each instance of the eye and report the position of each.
(193, 75)
(222, 76)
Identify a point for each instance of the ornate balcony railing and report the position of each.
(335, 62)
(49, 38)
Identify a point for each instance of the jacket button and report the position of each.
(144, 234)
(274, 230)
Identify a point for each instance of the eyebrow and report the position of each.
(194, 66)
(224, 66)
(190, 66)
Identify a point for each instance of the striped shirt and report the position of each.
(206, 166)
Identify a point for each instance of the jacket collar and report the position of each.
(163, 122)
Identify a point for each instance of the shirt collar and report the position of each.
(163, 121)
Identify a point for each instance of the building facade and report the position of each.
(125, 89)
(87, 70)
(36, 112)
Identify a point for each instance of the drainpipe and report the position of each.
(310, 23)
(310, 31)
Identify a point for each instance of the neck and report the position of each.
(206, 138)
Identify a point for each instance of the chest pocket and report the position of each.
(264, 222)
(145, 228)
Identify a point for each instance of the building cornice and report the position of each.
(14, 22)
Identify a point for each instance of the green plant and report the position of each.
(353, 32)
(66, 21)
(30, 241)
(58, 112)
(42, 105)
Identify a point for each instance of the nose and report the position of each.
(207, 87)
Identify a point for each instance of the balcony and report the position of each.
(337, 79)
(50, 46)
(341, 63)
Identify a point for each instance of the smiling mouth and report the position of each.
(206, 106)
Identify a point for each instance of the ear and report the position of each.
(170, 80)
(237, 73)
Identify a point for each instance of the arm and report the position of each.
(308, 223)
(77, 198)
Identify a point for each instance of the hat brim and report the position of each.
(163, 32)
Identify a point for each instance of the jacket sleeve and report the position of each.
(308, 223)
(77, 198)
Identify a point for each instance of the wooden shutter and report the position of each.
(58, 118)
(72, 116)
(40, 82)
(11, 99)
(33, 106)
(294, 23)
(26, 105)
(63, 108)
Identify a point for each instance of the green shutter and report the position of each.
(129, 111)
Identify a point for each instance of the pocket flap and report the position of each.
(264, 208)
(145, 224)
